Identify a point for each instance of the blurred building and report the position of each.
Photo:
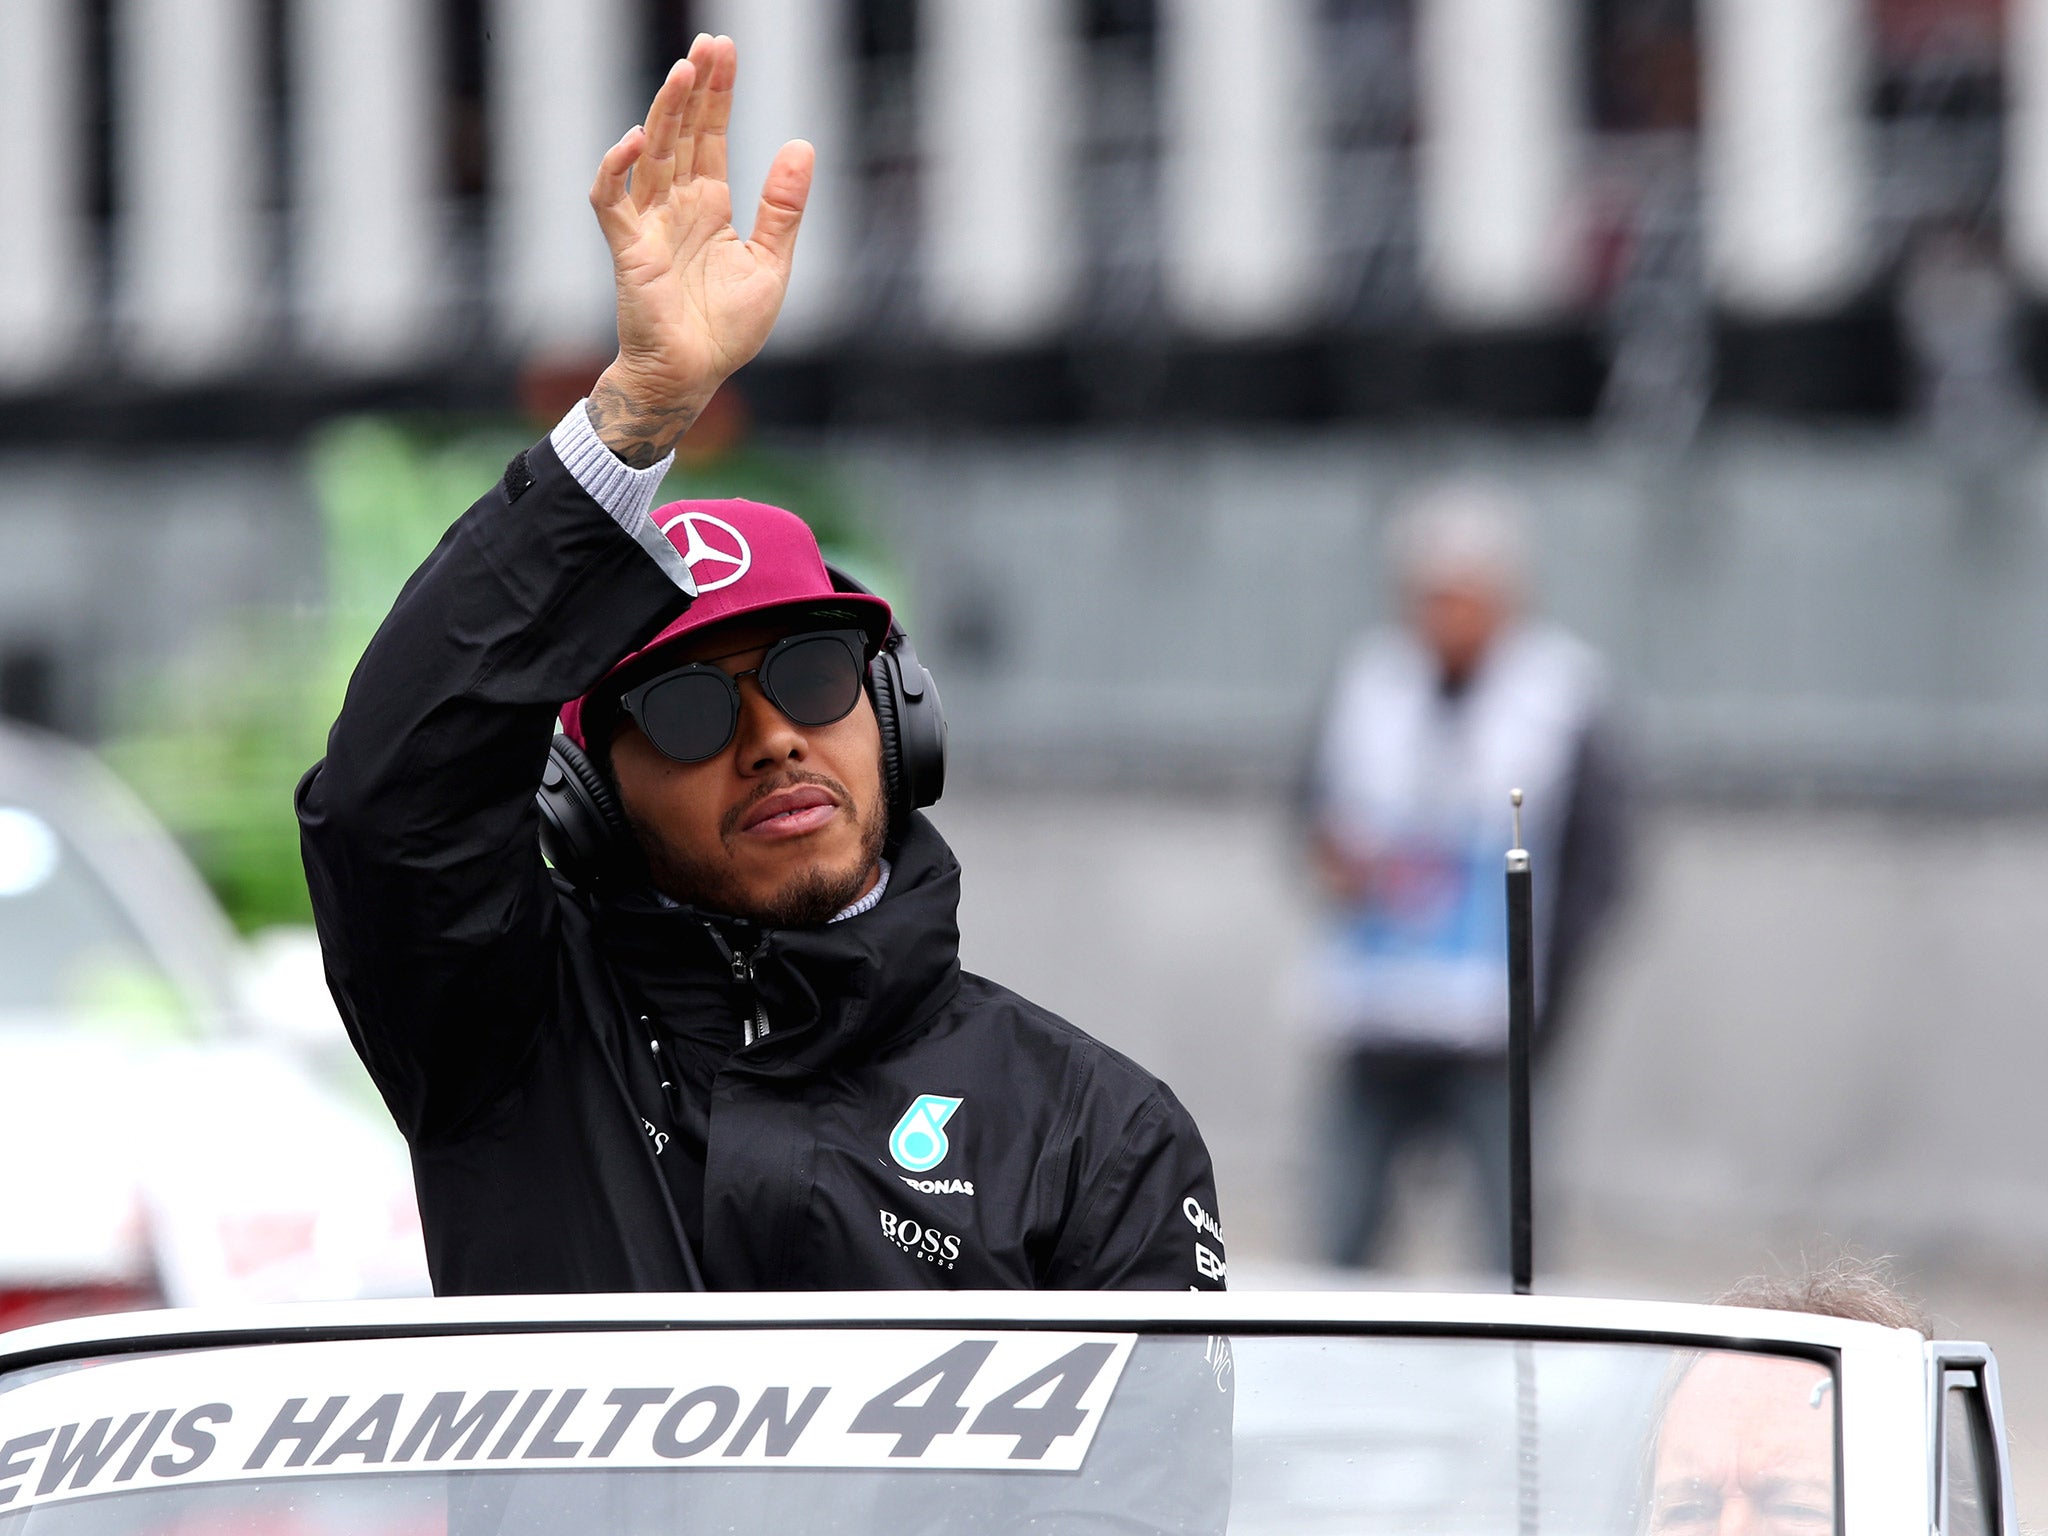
(1144, 299)
(1043, 210)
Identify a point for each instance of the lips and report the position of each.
(791, 812)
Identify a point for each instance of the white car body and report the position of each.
(1896, 1392)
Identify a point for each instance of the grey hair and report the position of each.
(1461, 530)
(1860, 1290)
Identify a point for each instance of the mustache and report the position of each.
(729, 823)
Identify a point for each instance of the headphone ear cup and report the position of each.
(889, 717)
(913, 729)
(583, 828)
(921, 738)
(912, 721)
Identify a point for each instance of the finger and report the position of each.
(664, 121)
(610, 196)
(783, 196)
(693, 105)
(710, 158)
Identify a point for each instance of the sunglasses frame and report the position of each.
(857, 643)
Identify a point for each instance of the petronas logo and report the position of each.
(919, 1140)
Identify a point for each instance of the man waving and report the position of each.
(726, 1041)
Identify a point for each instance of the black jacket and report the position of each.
(569, 1072)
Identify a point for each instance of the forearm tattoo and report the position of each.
(639, 434)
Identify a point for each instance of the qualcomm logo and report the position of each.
(1200, 1219)
(1208, 1261)
(723, 545)
(919, 1140)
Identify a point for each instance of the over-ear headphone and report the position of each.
(583, 828)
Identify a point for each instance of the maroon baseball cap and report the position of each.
(747, 559)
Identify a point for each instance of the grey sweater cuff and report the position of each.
(624, 492)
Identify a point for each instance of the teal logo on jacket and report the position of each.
(919, 1140)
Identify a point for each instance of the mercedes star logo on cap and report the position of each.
(725, 546)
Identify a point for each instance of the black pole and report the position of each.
(1521, 1028)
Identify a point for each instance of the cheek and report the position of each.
(676, 799)
(857, 753)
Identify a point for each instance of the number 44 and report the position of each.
(917, 1425)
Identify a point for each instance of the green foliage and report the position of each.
(214, 746)
(218, 737)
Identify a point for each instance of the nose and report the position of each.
(766, 738)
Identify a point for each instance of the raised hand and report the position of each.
(695, 300)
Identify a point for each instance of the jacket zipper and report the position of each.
(753, 1026)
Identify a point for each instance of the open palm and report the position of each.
(695, 301)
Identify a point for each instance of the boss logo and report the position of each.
(926, 1243)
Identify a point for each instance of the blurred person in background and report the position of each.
(726, 1043)
(1431, 722)
(1961, 315)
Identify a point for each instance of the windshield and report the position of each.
(897, 1431)
(68, 950)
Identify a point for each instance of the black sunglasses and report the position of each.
(692, 712)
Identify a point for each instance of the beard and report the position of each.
(810, 895)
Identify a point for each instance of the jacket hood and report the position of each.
(830, 990)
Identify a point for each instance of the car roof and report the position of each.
(1448, 1313)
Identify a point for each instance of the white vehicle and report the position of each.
(889, 1415)
(176, 1118)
